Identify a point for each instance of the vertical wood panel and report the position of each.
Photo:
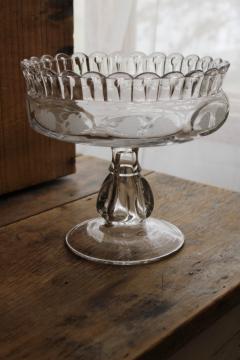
(29, 28)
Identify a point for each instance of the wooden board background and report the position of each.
(29, 28)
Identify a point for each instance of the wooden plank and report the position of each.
(30, 27)
(54, 305)
(221, 341)
(57, 306)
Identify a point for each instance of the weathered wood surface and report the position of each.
(29, 28)
(54, 305)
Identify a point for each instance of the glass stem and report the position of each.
(125, 196)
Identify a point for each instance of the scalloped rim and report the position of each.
(221, 68)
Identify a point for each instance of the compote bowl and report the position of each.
(125, 102)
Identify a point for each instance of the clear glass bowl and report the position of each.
(125, 102)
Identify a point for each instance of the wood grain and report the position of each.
(29, 28)
(57, 306)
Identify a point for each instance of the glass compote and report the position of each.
(125, 102)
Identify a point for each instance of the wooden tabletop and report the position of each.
(54, 305)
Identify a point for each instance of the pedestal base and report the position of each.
(143, 243)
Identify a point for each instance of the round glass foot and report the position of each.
(143, 243)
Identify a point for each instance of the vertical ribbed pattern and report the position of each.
(117, 77)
